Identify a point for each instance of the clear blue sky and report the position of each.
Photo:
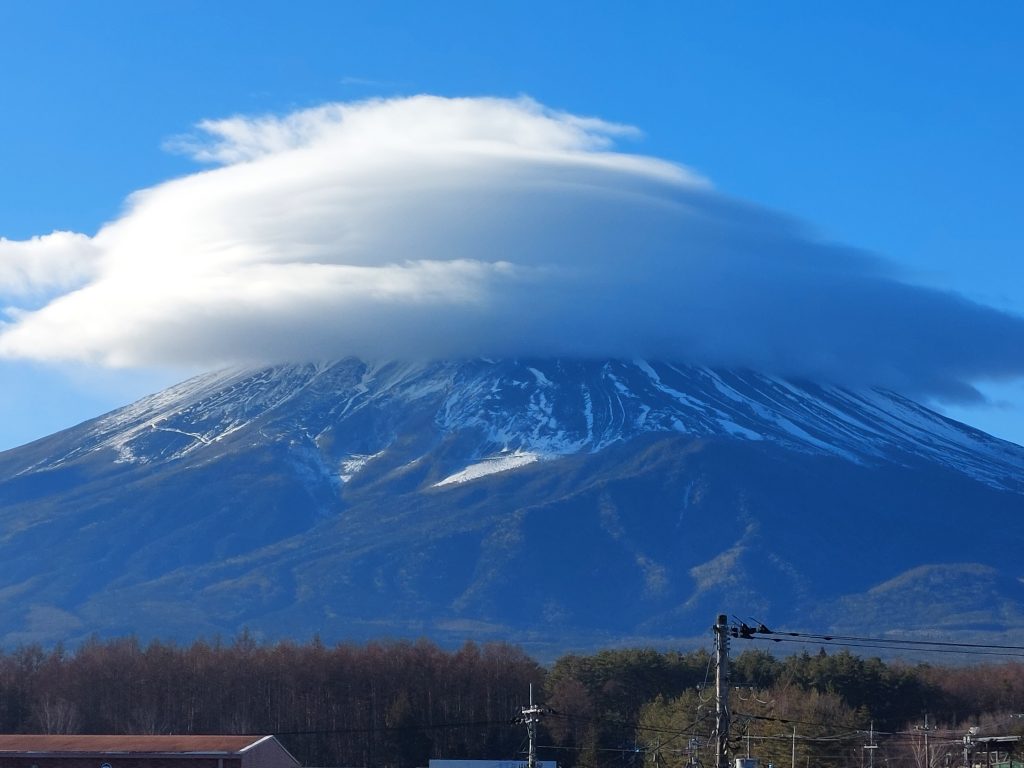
(892, 127)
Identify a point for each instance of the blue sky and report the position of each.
(892, 128)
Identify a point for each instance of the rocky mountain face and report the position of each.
(554, 503)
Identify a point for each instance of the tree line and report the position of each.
(379, 704)
(397, 704)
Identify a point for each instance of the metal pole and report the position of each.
(927, 750)
(722, 690)
(532, 715)
(968, 745)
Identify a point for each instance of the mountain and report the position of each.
(554, 503)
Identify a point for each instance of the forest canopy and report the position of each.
(398, 704)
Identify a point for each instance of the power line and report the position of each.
(939, 643)
(880, 645)
(626, 724)
(745, 632)
(789, 721)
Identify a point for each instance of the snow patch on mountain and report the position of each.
(490, 466)
(354, 464)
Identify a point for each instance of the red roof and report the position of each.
(206, 745)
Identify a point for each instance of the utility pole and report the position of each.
(927, 752)
(870, 747)
(721, 629)
(969, 745)
(530, 716)
(692, 747)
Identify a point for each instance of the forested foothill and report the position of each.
(397, 704)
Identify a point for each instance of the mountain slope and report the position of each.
(554, 502)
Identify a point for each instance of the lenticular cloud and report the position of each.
(429, 227)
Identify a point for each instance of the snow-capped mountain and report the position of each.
(358, 500)
(527, 411)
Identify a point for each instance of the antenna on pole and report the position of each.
(721, 630)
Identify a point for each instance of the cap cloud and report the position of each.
(430, 227)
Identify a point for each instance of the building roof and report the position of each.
(183, 745)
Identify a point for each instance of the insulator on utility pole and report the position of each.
(721, 630)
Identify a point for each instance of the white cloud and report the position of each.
(54, 262)
(438, 227)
